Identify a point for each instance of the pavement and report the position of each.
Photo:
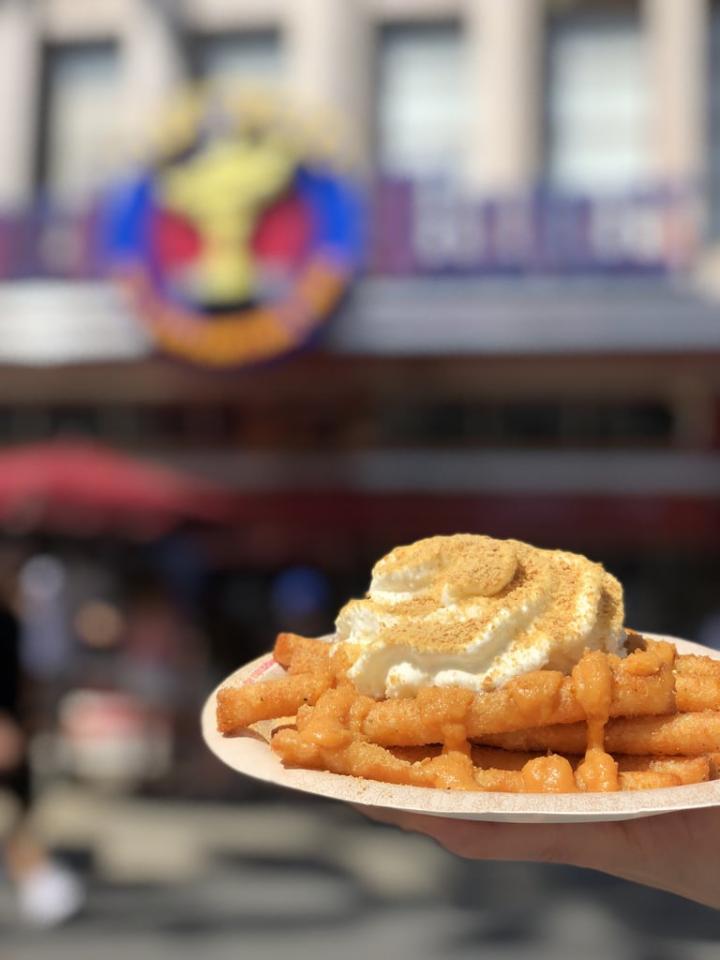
(278, 877)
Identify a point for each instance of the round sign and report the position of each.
(240, 237)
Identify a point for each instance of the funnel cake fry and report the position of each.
(329, 737)
(687, 769)
(302, 654)
(681, 734)
(696, 680)
(537, 699)
(690, 664)
(456, 772)
(532, 732)
(696, 692)
(288, 645)
(648, 780)
(238, 707)
(359, 758)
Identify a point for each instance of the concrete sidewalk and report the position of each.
(289, 878)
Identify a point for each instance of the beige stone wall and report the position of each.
(328, 48)
(151, 70)
(19, 84)
(329, 65)
(505, 52)
(678, 47)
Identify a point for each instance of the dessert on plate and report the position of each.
(483, 664)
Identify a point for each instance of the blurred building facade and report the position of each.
(532, 349)
(587, 97)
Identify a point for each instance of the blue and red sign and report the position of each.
(240, 239)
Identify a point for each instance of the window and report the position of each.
(238, 57)
(525, 423)
(598, 104)
(423, 105)
(78, 142)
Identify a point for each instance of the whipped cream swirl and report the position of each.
(472, 611)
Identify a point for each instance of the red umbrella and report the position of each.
(84, 488)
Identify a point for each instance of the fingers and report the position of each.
(482, 840)
(675, 852)
(599, 846)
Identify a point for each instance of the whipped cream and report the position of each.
(472, 611)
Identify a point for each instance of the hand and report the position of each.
(677, 852)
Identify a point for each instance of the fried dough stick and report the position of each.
(456, 772)
(696, 692)
(682, 734)
(642, 685)
(648, 780)
(686, 769)
(689, 664)
(635, 773)
(452, 771)
(328, 737)
(300, 654)
(306, 655)
(697, 679)
(631, 780)
(358, 758)
(313, 667)
(238, 707)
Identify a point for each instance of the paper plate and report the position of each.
(249, 753)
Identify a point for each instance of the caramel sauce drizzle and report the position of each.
(593, 687)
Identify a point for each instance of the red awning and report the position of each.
(86, 489)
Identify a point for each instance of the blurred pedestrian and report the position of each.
(48, 893)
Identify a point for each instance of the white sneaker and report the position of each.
(49, 896)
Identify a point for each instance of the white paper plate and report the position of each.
(248, 752)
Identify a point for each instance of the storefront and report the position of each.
(500, 333)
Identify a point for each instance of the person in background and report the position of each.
(164, 667)
(48, 893)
